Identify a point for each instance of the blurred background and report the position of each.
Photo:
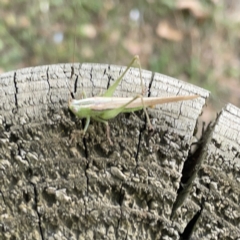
(193, 40)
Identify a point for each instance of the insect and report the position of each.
(105, 107)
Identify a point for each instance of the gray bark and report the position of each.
(58, 184)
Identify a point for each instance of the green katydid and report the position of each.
(106, 107)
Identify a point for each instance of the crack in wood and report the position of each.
(149, 171)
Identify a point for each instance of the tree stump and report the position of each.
(59, 184)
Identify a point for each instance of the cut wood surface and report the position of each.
(58, 184)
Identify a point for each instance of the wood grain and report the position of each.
(87, 189)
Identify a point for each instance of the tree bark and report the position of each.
(58, 184)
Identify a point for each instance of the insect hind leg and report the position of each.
(112, 88)
(108, 114)
(107, 128)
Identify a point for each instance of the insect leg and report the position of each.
(84, 94)
(107, 128)
(141, 96)
(111, 113)
(86, 124)
(113, 87)
(108, 114)
(145, 111)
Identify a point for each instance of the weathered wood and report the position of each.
(90, 190)
(216, 188)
